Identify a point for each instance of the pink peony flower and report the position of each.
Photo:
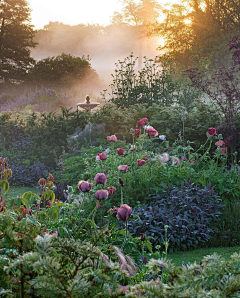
(224, 150)
(137, 132)
(219, 143)
(112, 138)
(84, 186)
(140, 162)
(101, 194)
(100, 178)
(120, 151)
(123, 168)
(140, 123)
(111, 190)
(124, 212)
(102, 156)
(152, 132)
(212, 131)
(145, 120)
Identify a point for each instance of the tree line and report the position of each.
(193, 31)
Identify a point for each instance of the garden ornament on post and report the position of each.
(88, 106)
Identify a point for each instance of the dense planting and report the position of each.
(187, 211)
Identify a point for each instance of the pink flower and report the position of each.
(100, 178)
(140, 123)
(124, 288)
(133, 147)
(183, 158)
(219, 143)
(124, 212)
(102, 156)
(145, 120)
(137, 132)
(101, 194)
(140, 162)
(84, 186)
(112, 138)
(224, 150)
(123, 168)
(113, 211)
(212, 131)
(152, 132)
(120, 151)
(111, 190)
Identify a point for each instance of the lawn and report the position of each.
(19, 190)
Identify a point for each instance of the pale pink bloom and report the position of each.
(102, 156)
(112, 138)
(111, 190)
(224, 150)
(219, 143)
(123, 168)
(84, 186)
(120, 151)
(124, 212)
(152, 132)
(100, 178)
(140, 162)
(101, 194)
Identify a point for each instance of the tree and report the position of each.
(16, 37)
(143, 13)
(64, 70)
(198, 27)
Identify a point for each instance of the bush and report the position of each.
(188, 212)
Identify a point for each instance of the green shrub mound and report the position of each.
(214, 277)
(187, 211)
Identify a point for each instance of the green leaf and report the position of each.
(18, 201)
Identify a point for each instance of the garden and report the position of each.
(111, 197)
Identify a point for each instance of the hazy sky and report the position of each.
(75, 12)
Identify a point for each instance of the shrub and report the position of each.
(152, 84)
(213, 277)
(188, 212)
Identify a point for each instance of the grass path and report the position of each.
(197, 255)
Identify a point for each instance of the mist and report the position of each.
(105, 46)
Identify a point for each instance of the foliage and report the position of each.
(143, 13)
(187, 211)
(213, 277)
(16, 37)
(222, 88)
(152, 84)
(65, 70)
(22, 135)
(198, 28)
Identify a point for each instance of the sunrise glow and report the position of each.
(74, 12)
